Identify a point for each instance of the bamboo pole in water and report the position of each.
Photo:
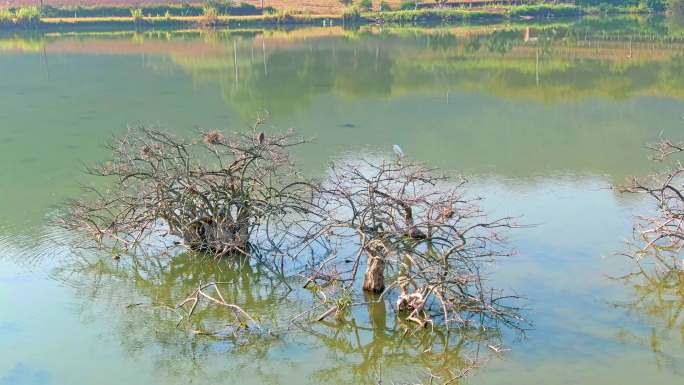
(235, 54)
(263, 51)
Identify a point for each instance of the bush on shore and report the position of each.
(24, 16)
(351, 14)
(157, 10)
(545, 10)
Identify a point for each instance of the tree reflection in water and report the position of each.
(367, 350)
(658, 298)
(369, 344)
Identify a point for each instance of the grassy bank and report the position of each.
(215, 15)
(31, 17)
(183, 10)
(464, 14)
(187, 21)
(21, 17)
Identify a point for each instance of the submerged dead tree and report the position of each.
(211, 193)
(661, 234)
(418, 235)
(404, 230)
(657, 284)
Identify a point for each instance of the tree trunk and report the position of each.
(242, 234)
(221, 238)
(374, 278)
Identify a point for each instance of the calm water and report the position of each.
(543, 122)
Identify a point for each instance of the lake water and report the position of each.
(543, 121)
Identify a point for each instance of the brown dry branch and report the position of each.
(419, 236)
(242, 319)
(416, 232)
(210, 194)
(661, 235)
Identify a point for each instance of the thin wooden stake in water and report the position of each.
(45, 63)
(263, 51)
(536, 70)
(237, 78)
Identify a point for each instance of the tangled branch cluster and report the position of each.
(414, 231)
(212, 194)
(418, 233)
(662, 235)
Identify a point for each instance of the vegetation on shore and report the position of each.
(352, 15)
(26, 16)
(462, 14)
(180, 10)
(214, 14)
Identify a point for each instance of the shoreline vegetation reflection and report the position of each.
(614, 58)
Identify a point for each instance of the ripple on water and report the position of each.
(32, 247)
(23, 374)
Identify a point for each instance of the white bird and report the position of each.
(398, 151)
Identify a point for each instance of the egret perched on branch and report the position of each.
(397, 150)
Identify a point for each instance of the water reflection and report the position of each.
(378, 346)
(546, 63)
(618, 58)
(658, 299)
(369, 344)
(161, 282)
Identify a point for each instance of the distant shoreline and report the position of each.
(148, 20)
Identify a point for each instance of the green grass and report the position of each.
(462, 14)
(284, 16)
(6, 16)
(137, 14)
(432, 15)
(158, 10)
(351, 14)
(20, 17)
(545, 10)
(211, 16)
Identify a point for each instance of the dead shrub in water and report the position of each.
(213, 193)
(418, 234)
(660, 235)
